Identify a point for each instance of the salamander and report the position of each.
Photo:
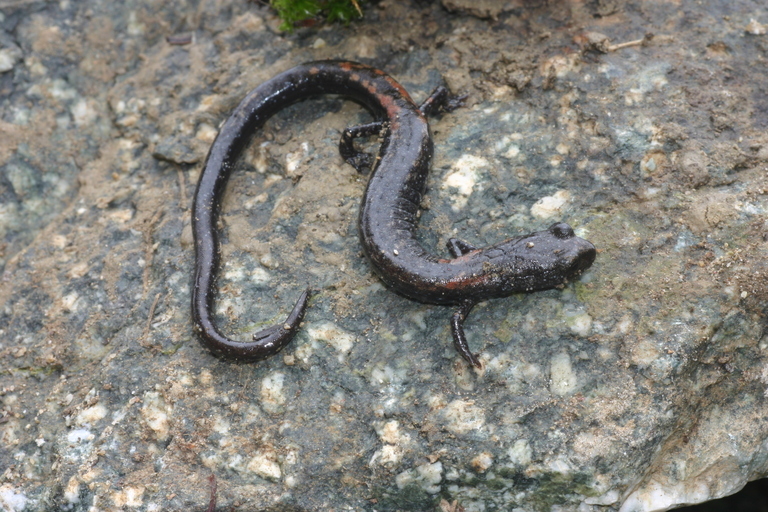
(388, 217)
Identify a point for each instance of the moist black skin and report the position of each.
(388, 213)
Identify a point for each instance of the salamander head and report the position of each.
(541, 260)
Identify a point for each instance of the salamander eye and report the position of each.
(561, 230)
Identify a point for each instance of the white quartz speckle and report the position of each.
(294, 160)
(579, 322)
(426, 476)
(386, 376)
(463, 416)
(221, 425)
(264, 464)
(69, 302)
(482, 462)
(272, 395)
(8, 59)
(609, 498)
(83, 113)
(72, 491)
(388, 455)
(260, 276)
(390, 433)
(11, 500)
(656, 497)
(233, 273)
(156, 412)
(755, 28)
(80, 434)
(395, 443)
(549, 206)
(335, 336)
(135, 27)
(563, 380)
(521, 452)
(91, 414)
(464, 177)
(129, 496)
(206, 133)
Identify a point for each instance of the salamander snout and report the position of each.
(586, 258)
(577, 252)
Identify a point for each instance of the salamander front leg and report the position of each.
(358, 159)
(457, 330)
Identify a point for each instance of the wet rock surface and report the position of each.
(639, 387)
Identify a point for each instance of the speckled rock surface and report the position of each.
(640, 387)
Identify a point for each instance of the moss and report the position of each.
(471, 480)
(496, 484)
(511, 322)
(298, 11)
(410, 497)
(171, 349)
(507, 472)
(558, 489)
(40, 371)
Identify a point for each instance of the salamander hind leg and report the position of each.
(266, 343)
(459, 247)
(360, 160)
(273, 339)
(441, 99)
(459, 338)
(277, 336)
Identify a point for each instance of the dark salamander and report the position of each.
(388, 215)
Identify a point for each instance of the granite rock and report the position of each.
(639, 387)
